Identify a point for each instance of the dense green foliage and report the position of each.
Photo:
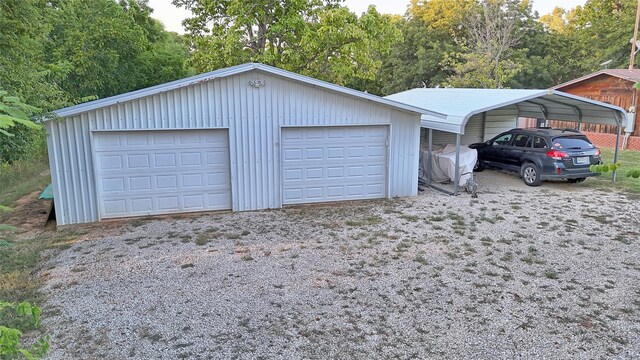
(63, 52)
(319, 38)
(504, 43)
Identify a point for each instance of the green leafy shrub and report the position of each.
(10, 347)
(14, 112)
(604, 168)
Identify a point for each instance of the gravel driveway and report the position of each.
(548, 272)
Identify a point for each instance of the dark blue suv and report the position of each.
(540, 154)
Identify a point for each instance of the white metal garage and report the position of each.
(334, 163)
(248, 137)
(159, 172)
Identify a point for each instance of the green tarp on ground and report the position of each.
(47, 194)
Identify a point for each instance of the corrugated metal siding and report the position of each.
(253, 117)
(472, 133)
(500, 120)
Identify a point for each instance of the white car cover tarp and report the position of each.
(444, 164)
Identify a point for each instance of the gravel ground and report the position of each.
(548, 272)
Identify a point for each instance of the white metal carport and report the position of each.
(499, 110)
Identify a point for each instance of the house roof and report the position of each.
(632, 75)
(460, 104)
(230, 71)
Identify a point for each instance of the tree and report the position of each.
(342, 47)
(601, 29)
(24, 72)
(99, 43)
(493, 32)
(431, 31)
(163, 61)
(319, 38)
(445, 16)
(166, 53)
(556, 20)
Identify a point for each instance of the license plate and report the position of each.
(582, 160)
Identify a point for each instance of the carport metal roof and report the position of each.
(460, 104)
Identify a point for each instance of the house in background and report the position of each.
(613, 86)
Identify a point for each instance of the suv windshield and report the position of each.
(573, 142)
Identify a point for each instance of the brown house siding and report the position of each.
(605, 88)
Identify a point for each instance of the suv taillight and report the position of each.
(557, 155)
(598, 152)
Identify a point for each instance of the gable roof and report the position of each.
(632, 75)
(461, 104)
(230, 71)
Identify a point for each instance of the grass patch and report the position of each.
(247, 257)
(22, 178)
(411, 218)
(421, 260)
(209, 235)
(371, 220)
(19, 266)
(550, 274)
(630, 160)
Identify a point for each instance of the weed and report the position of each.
(490, 220)
(371, 220)
(421, 260)
(550, 274)
(508, 256)
(623, 239)
(486, 241)
(452, 255)
(411, 218)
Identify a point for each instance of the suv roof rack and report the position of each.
(571, 130)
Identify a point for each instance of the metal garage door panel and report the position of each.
(334, 163)
(159, 172)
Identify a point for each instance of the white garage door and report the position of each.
(160, 172)
(334, 163)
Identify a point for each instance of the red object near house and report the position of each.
(613, 86)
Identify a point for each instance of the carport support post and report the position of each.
(615, 154)
(457, 176)
(429, 154)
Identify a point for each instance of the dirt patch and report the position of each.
(29, 214)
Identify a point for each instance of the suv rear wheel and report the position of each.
(530, 174)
